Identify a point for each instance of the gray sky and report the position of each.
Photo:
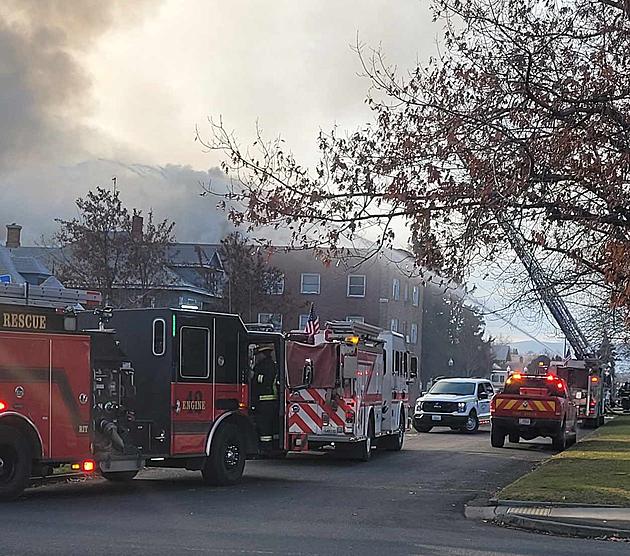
(92, 89)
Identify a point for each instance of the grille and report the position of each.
(440, 407)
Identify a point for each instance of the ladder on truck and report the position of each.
(46, 296)
(340, 329)
(548, 294)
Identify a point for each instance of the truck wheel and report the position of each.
(497, 437)
(472, 423)
(394, 442)
(559, 441)
(119, 476)
(15, 463)
(514, 438)
(225, 464)
(364, 448)
(422, 428)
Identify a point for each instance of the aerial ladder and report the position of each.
(584, 374)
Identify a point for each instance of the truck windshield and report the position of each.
(454, 388)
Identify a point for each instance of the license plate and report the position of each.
(524, 421)
(436, 417)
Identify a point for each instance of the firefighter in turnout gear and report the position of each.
(265, 394)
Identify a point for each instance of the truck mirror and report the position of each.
(483, 395)
(308, 372)
(414, 367)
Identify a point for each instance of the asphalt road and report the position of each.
(409, 502)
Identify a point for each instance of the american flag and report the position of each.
(312, 323)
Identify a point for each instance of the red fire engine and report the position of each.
(348, 390)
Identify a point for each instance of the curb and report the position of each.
(561, 528)
(543, 504)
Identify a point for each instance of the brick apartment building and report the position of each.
(377, 290)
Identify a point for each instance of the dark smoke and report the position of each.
(48, 155)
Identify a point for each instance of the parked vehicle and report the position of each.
(348, 390)
(459, 403)
(585, 382)
(532, 406)
(498, 378)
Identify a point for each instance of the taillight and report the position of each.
(88, 465)
(349, 416)
(493, 403)
(325, 419)
(3, 406)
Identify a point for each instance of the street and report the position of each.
(409, 502)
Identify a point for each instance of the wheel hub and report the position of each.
(232, 456)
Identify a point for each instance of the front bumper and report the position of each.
(541, 426)
(445, 419)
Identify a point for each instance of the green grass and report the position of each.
(594, 471)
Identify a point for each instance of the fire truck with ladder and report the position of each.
(348, 390)
(583, 374)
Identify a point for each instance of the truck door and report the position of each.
(192, 393)
(25, 379)
(484, 396)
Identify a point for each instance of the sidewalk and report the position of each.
(579, 521)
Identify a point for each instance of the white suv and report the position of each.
(459, 403)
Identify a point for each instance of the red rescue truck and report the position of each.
(533, 405)
(348, 391)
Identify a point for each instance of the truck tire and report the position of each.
(119, 476)
(15, 463)
(559, 440)
(225, 464)
(364, 448)
(394, 442)
(497, 437)
(472, 423)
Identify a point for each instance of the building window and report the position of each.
(415, 296)
(271, 318)
(394, 325)
(356, 286)
(276, 286)
(414, 333)
(404, 328)
(310, 283)
(406, 292)
(354, 318)
(396, 289)
(303, 321)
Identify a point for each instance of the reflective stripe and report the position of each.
(268, 397)
(266, 438)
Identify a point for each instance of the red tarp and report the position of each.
(325, 362)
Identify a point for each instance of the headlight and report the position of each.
(461, 407)
(418, 406)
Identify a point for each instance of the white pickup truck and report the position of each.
(459, 403)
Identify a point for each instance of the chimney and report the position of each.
(137, 224)
(13, 235)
